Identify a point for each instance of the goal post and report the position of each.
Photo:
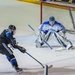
(60, 11)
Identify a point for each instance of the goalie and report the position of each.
(6, 39)
(52, 27)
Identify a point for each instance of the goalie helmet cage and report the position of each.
(60, 12)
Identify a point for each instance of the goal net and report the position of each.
(60, 12)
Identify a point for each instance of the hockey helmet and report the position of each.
(12, 27)
(52, 18)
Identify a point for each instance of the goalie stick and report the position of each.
(62, 43)
(42, 39)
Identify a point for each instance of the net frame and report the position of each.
(56, 5)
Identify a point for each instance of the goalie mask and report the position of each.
(51, 20)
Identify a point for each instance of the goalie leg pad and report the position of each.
(69, 46)
(59, 40)
(38, 44)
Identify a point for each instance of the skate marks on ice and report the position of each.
(61, 71)
(52, 71)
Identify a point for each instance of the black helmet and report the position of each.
(12, 27)
(52, 18)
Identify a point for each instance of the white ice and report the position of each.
(21, 14)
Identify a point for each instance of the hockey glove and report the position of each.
(23, 50)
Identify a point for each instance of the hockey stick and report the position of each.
(71, 16)
(35, 59)
(45, 67)
(42, 39)
(31, 57)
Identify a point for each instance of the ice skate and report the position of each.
(19, 70)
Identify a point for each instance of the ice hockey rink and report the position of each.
(21, 14)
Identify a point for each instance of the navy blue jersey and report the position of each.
(6, 37)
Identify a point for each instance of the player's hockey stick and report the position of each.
(46, 67)
(42, 39)
(71, 16)
(35, 59)
(32, 57)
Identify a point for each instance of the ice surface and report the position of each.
(25, 14)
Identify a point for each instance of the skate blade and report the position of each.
(19, 72)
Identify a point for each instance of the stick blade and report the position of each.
(46, 70)
(46, 67)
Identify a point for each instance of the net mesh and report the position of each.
(60, 12)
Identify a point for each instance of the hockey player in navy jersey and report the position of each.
(53, 27)
(6, 39)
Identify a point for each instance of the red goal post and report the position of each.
(59, 11)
